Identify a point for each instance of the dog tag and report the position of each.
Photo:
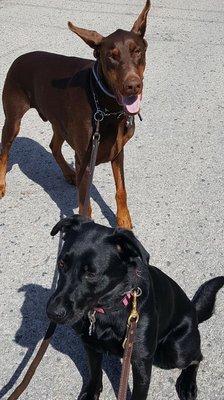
(130, 121)
(92, 320)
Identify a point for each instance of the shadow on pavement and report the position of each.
(39, 166)
(65, 341)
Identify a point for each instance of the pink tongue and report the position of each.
(132, 103)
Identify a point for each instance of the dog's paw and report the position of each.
(186, 390)
(124, 221)
(87, 393)
(86, 396)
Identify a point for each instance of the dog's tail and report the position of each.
(204, 298)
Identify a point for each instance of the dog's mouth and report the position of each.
(131, 104)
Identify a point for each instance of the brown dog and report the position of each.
(67, 91)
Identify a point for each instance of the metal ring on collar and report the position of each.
(99, 115)
(138, 291)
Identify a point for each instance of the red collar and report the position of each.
(125, 302)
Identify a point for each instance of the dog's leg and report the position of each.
(55, 145)
(9, 132)
(94, 387)
(123, 216)
(141, 369)
(15, 105)
(186, 384)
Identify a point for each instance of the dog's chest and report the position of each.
(114, 136)
(107, 335)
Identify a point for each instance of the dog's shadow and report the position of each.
(65, 340)
(39, 166)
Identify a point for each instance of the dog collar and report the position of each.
(95, 70)
(101, 310)
(125, 302)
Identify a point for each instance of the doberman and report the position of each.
(67, 91)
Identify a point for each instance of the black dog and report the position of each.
(98, 268)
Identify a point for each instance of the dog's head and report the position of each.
(97, 264)
(121, 58)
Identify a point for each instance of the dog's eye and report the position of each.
(90, 275)
(113, 56)
(137, 52)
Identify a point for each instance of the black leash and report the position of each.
(92, 164)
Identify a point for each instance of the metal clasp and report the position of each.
(134, 312)
(96, 136)
(134, 315)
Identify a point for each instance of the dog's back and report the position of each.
(42, 75)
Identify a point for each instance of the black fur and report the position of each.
(97, 266)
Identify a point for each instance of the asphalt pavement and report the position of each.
(174, 175)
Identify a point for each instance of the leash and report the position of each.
(36, 361)
(128, 346)
(92, 164)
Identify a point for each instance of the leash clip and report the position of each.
(134, 312)
(96, 137)
(134, 315)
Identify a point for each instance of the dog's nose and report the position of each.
(132, 87)
(56, 313)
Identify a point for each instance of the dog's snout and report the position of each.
(132, 86)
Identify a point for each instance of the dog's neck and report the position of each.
(102, 90)
(101, 81)
(121, 293)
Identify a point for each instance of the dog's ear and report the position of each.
(139, 26)
(128, 245)
(66, 224)
(92, 38)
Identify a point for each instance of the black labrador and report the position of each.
(98, 269)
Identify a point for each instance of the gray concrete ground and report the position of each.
(174, 175)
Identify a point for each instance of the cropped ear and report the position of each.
(139, 26)
(92, 38)
(128, 245)
(66, 224)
